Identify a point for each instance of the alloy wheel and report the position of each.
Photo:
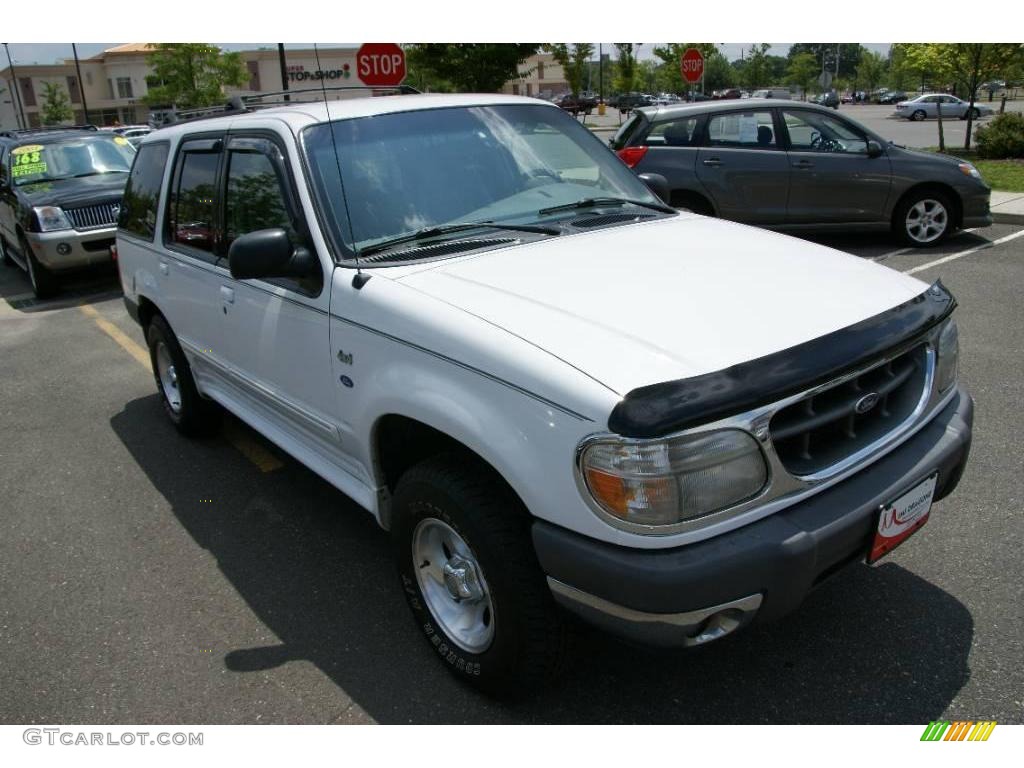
(926, 221)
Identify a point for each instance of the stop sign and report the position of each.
(381, 64)
(692, 65)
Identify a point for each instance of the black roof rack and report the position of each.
(20, 132)
(237, 104)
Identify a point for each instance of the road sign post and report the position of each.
(380, 64)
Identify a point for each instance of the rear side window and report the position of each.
(674, 133)
(742, 130)
(142, 193)
(193, 205)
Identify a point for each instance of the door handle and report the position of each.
(164, 269)
(227, 294)
(712, 161)
(803, 164)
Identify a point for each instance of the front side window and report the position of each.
(742, 130)
(405, 171)
(70, 158)
(255, 199)
(194, 204)
(814, 132)
(138, 208)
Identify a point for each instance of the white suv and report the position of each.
(554, 391)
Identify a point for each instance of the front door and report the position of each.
(832, 177)
(743, 167)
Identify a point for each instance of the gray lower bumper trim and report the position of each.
(664, 629)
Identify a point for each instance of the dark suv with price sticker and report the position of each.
(60, 194)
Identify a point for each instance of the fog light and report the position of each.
(63, 249)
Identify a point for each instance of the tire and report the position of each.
(44, 284)
(975, 113)
(926, 208)
(918, 114)
(513, 637)
(5, 256)
(185, 407)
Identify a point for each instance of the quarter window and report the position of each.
(138, 208)
(812, 132)
(674, 133)
(743, 130)
(193, 208)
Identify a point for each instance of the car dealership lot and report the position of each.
(144, 577)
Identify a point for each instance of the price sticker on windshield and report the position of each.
(121, 140)
(28, 149)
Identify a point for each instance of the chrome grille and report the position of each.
(812, 434)
(94, 216)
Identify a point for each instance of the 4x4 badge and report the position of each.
(345, 358)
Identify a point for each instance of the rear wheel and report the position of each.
(184, 406)
(469, 573)
(43, 282)
(924, 219)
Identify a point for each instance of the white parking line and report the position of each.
(961, 254)
(909, 249)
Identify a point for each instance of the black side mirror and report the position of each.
(269, 253)
(874, 149)
(658, 184)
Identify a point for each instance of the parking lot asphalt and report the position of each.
(879, 118)
(148, 578)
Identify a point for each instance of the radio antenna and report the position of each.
(360, 279)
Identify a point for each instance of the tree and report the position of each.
(757, 71)
(871, 69)
(56, 107)
(471, 67)
(825, 55)
(191, 75)
(575, 62)
(625, 67)
(803, 72)
(967, 65)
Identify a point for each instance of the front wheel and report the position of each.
(44, 284)
(924, 219)
(469, 573)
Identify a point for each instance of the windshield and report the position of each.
(407, 171)
(70, 158)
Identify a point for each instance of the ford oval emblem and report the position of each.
(866, 403)
(347, 381)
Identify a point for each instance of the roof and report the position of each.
(127, 48)
(50, 136)
(718, 105)
(301, 114)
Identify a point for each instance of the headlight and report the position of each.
(672, 480)
(51, 218)
(948, 353)
(969, 170)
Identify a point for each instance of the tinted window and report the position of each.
(675, 133)
(743, 130)
(194, 204)
(255, 199)
(138, 208)
(813, 132)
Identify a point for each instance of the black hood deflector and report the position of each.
(670, 406)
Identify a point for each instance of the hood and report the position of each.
(72, 193)
(667, 299)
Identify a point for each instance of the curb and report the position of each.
(1007, 218)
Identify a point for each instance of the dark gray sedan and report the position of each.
(787, 165)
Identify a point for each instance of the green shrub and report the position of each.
(1003, 137)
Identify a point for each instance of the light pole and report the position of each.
(17, 93)
(81, 88)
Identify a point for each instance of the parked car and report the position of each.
(60, 191)
(927, 105)
(727, 93)
(551, 389)
(576, 104)
(892, 97)
(828, 99)
(772, 93)
(628, 101)
(790, 165)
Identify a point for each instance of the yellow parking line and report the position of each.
(133, 348)
(244, 443)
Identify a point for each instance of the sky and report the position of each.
(50, 53)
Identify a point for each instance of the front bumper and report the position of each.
(699, 592)
(976, 211)
(81, 249)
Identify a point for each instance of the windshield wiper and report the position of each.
(594, 202)
(427, 232)
(92, 173)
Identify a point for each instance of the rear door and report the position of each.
(743, 167)
(833, 180)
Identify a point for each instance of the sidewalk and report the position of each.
(1007, 207)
